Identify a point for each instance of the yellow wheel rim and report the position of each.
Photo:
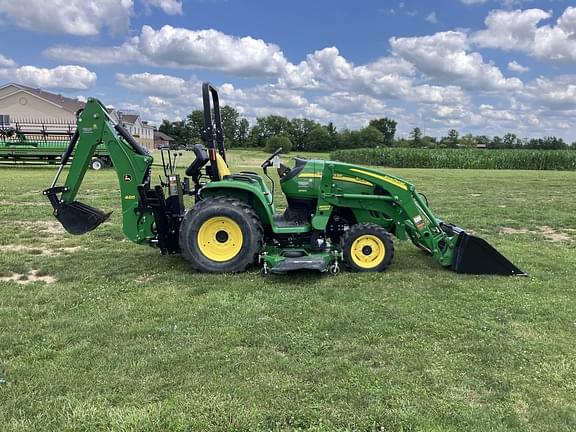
(220, 239)
(368, 251)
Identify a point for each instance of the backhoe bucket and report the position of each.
(474, 255)
(78, 218)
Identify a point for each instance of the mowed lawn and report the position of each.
(115, 336)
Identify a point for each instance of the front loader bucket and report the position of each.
(78, 218)
(474, 255)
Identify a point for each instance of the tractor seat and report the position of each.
(194, 170)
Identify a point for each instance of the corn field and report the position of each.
(561, 160)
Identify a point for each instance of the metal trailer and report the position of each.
(42, 141)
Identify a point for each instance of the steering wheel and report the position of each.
(268, 162)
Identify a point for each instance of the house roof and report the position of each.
(66, 103)
(162, 136)
(129, 118)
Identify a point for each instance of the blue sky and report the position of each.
(480, 66)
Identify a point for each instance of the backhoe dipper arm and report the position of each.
(131, 162)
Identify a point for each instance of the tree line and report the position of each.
(303, 134)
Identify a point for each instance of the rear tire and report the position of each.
(367, 248)
(220, 235)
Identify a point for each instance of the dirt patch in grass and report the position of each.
(145, 278)
(39, 249)
(549, 233)
(51, 228)
(30, 277)
(507, 230)
(553, 235)
(24, 203)
(521, 330)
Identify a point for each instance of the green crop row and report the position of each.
(563, 160)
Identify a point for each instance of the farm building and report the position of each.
(162, 140)
(36, 107)
(138, 128)
(22, 103)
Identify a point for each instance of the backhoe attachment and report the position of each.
(77, 218)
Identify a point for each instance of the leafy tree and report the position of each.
(267, 127)
(320, 139)
(429, 141)
(176, 130)
(195, 124)
(331, 129)
(370, 137)
(416, 137)
(275, 142)
(510, 140)
(496, 142)
(468, 140)
(482, 140)
(344, 139)
(300, 132)
(388, 129)
(243, 132)
(451, 140)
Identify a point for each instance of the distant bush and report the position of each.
(276, 142)
(461, 158)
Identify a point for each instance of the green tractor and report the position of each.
(336, 212)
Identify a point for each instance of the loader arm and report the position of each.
(131, 162)
(395, 204)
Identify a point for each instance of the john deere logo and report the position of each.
(127, 178)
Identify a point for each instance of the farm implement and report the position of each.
(336, 212)
(41, 141)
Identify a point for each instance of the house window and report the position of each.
(4, 120)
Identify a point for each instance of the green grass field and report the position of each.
(116, 337)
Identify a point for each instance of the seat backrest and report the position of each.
(201, 159)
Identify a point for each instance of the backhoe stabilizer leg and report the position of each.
(77, 218)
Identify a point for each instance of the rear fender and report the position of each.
(247, 192)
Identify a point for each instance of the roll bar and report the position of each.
(213, 133)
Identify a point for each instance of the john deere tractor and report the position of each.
(336, 212)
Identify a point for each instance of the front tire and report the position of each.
(367, 248)
(220, 235)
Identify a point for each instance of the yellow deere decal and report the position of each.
(310, 175)
(385, 178)
(344, 178)
(324, 207)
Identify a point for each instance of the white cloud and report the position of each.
(514, 66)
(556, 93)
(66, 77)
(346, 103)
(179, 47)
(212, 49)
(6, 62)
(169, 7)
(432, 18)
(445, 56)
(154, 84)
(77, 17)
(125, 53)
(518, 30)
